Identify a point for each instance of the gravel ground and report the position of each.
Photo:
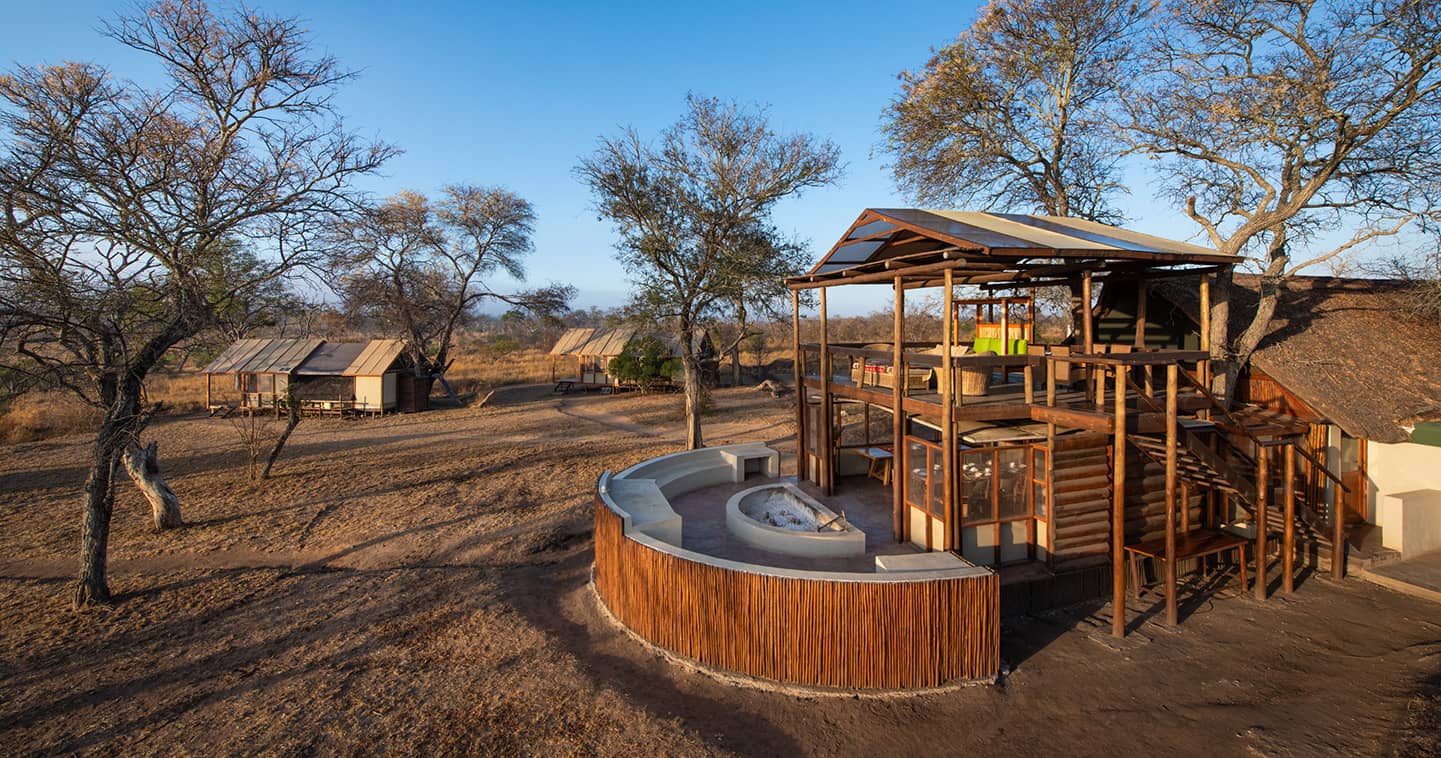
(417, 584)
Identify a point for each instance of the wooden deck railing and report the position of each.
(848, 630)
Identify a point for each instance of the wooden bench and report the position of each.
(1195, 544)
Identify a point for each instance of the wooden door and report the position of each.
(1353, 475)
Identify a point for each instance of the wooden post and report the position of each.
(1029, 375)
(1185, 507)
(1261, 473)
(1204, 367)
(274, 401)
(898, 415)
(1338, 536)
(827, 454)
(1172, 612)
(1005, 329)
(1142, 294)
(207, 393)
(803, 455)
(1288, 540)
(948, 421)
(1087, 337)
(1118, 509)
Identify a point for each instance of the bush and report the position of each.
(642, 360)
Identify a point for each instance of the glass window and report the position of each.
(1014, 482)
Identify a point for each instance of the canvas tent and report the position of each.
(593, 350)
(337, 377)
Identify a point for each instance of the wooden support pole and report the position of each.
(803, 455)
(1005, 329)
(1338, 535)
(825, 448)
(948, 422)
(1029, 375)
(1185, 507)
(1118, 512)
(207, 393)
(898, 415)
(1172, 611)
(1262, 473)
(1204, 367)
(1142, 294)
(1087, 337)
(1288, 540)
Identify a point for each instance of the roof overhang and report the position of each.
(996, 250)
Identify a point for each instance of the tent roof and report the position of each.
(263, 356)
(607, 343)
(982, 247)
(311, 357)
(572, 339)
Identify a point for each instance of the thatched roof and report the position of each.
(1348, 347)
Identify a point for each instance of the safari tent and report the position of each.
(593, 350)
(343, 378)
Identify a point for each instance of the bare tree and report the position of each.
(115, 199)
(1018, 114)
(424, 267)
(1281, 124)
(693, 215)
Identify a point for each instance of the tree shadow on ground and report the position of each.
(641, 676)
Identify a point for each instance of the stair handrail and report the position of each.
(1218, 406)
(1314, 461)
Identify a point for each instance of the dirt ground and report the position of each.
(418, 584)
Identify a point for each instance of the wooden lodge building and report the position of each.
(1094, 459)
(340, 378)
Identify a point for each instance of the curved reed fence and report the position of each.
(813, 631)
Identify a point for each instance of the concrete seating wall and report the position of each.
(643, 491)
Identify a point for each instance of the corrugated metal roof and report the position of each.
(376, 358)
(263, 356)
(880, 234)
(572, 339)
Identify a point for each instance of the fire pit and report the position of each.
(780, 518)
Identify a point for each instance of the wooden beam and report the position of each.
(1172, 612)
(1205, 366)
(948, 425)
(1288, 540)
(1118, 506)
(1143, 293)
(824, 445)
(1262, 454)
(898, 414)
(803, 456)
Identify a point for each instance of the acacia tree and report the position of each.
(423, 267)
(1280, 124)
(115, 200)
(1017, 114)
(693, 213)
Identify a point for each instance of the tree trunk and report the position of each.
(92, 587)
(290, 424)
(143, 464)
(693, 390)
(1225, 370)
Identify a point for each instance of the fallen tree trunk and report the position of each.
(144, 466)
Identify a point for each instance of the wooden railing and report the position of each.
(845, 630)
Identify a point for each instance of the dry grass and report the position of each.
(40, 415)
(477, 368)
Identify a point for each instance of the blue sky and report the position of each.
(513, 94)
